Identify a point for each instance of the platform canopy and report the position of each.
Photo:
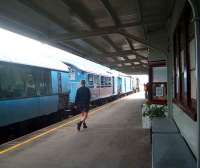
(115, 33)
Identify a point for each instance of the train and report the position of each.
(103, 84)
(33, 93)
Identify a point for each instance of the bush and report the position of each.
(155, 111)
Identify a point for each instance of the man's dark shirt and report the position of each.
(83, 96)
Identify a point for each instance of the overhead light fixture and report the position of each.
(144, 61)
(125, 47)
(121, 58)
(144, 66)
(119, 65)
(110, 59)
(127, 64)
(136, 63)
(131, 57)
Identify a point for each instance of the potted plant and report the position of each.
(150, 111)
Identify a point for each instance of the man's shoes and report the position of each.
(79, 125)
(84, 125)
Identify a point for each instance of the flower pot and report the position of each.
(146, 121)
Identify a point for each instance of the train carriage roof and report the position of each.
(89, 67)
(42, 63)
(21, 50)
(76, 61)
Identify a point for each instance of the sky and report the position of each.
(143, 79)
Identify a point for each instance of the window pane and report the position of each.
(90, 79)
(12, 84)
(30, 84)
(192, 54)
(102, 80)
(159, 74)
(23, 81)
(182, 61)
(193, 81)
(72, 74)
(193, 84)
(96, 79)
(45, 82)
(177, 76)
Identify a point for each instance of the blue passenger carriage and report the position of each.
(31, 90)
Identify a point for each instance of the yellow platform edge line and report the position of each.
(51, 130)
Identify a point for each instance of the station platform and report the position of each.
(114, 139)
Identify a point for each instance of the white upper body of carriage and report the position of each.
(99, 78)
(22, 50)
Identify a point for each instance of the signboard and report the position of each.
(159, 92)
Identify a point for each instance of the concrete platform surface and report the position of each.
(114, 139)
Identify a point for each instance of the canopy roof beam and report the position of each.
(85, 17)
(117, 22)
(30, 4)
(140, 14)
(123, 53)
(130, 61)
(142, 41)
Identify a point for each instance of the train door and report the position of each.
(125, 85)
(119, 83)
(96, 86)
(113, 84)
(59, 83)
(62, 98)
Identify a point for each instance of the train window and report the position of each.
(72, 74)
(96, 80)
(43, 82)
(160, 74)
(30, 84)
(103, 81)
(90, 79)
(19, 81)
(106, 81)
(12, 81)
(109, 81)
(184, 64)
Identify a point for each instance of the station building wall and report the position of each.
(186, 124)
(184, 117)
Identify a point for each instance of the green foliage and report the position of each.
(155, 111)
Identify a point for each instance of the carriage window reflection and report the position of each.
(90, 79)
(17, 81)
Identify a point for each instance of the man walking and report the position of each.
(82, 102)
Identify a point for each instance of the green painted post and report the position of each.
(170, 83)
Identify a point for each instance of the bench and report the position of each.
(169, 149)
